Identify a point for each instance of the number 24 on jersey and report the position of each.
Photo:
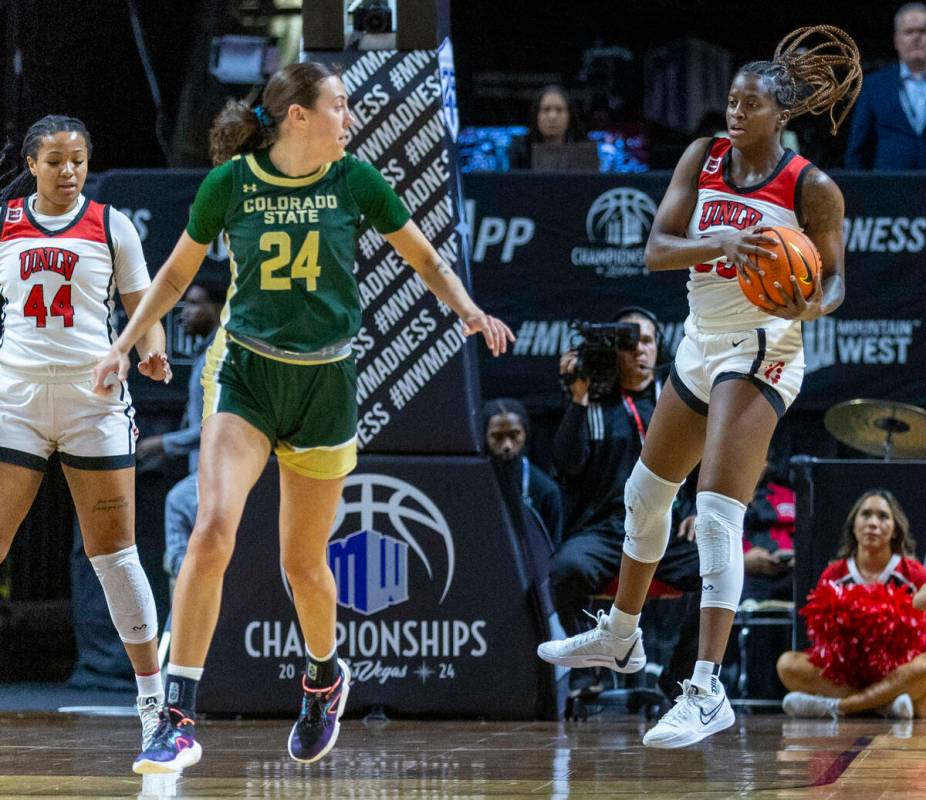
(303, 266)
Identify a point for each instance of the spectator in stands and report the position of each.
(200, 318)
(553, 120)
(507, 428)
(889, 123)
(876, 548)
(768, 540)
(595, 447)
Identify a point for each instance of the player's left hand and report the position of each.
(156, 366)
(496, 333)
(795, 306)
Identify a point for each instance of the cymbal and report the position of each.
(879, 427)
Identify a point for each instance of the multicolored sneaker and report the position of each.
(173, 745)
(316, 730)
(149, 712)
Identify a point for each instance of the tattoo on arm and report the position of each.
(442, 269)
(823, 202)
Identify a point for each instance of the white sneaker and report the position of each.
(695, 716)
(148, 709)
(803, 704)
(597, 648)
(900, 708)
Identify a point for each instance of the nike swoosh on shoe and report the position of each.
(709, 717)
(622, 662)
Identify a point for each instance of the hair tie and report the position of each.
(263, 118)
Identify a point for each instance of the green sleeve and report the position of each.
(375, 198)
(207, 214)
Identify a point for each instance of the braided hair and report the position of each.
(23, 183)
(803, 78)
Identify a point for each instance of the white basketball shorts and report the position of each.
(88, 431)
(771, 358)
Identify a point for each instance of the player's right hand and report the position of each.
(740, 246)
(111, 371)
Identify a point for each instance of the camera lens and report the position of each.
(376, 20)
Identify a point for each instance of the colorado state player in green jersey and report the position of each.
(280, 374)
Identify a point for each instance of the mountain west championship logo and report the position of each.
(387, 518)
(617, 225)
(387, 532)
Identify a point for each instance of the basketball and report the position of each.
(797, 256)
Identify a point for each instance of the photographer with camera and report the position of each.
(613, 383)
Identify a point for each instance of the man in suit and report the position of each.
(889, 122)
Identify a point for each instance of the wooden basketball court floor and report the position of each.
(763, 756)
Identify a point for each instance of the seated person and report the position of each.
(876, 548)
(507, 427)
(553, 120)
(768, 540)
(200, 317)
(595, 447)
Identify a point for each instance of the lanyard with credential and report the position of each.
(631, 409)
(915, 115)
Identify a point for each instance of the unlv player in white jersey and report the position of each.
(62, 258)
(738, 368)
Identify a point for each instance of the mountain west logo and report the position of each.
(829, 342)
(387, 518)
(448, 88)
(617, 224)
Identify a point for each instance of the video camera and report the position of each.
(596, 354)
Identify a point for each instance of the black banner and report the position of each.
(550, 249)
(437, 606)
(415, 370)
(158, 203)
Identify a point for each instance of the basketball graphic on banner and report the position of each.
(379, 520)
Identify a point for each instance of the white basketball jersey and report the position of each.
(57, 290)
(717, 304)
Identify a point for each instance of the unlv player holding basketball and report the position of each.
(738, 367)
(62, 257)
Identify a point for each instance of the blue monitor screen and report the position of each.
(485, 148)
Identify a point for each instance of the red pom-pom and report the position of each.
(860, 633)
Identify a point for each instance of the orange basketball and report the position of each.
(797, 256)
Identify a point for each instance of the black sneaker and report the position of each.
(172, 747)
(316, 730)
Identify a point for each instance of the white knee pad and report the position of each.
(648, 500)
(128, 595)
(719, 533)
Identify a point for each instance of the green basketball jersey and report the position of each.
(291, 247)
